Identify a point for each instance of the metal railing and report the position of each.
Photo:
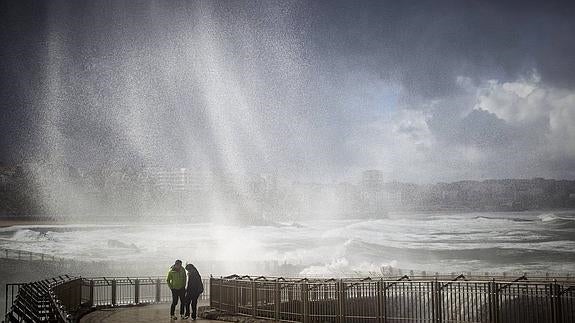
(66, 299)
(117, 291)
(28, 255)
(38, 301)
(10, 293)
(391, 272)
(402, 300)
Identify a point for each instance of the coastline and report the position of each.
(13, 221)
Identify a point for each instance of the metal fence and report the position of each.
(65, 299)
(116, 291)
(401, 300)
(10, 293)
(38, 301)
(28, 255)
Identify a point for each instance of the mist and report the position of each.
(310, 91)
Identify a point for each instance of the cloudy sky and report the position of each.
(425, 91)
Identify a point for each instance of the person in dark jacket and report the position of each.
(177, 282)
(193, 290)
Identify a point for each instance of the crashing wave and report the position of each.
(122, 245)
(25, 235)
(548, 217)
(558, 222)
(341, 267)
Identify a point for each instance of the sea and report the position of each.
(493, 242)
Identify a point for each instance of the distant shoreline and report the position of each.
(8, 221)
(22, 220)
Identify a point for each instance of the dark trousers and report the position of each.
(178, 294)
(193, 301)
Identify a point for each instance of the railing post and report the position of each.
(290, 293)
(277, 300)
(244, 294)
(91, 293)
(556, 302)
(6, 300)
(19, 254)
(304, 302)
(113, 292)
(340, 293)
(137, 291)
(159, 291)
(436, 300)
(381, 288)
(212, 292)
(236, 295)
(254, 298)
(79, 285)
(493, 301)
(220, 292)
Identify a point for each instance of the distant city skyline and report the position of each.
(426, 92)
(193, 193)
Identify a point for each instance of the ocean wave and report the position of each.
(27, 235)
(468, 242)
(358, 251)
(548, 217)
(557, 222)
(505, 219)
(341, 267)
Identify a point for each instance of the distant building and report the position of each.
(372, 179)
(374, 201)
(173, 179)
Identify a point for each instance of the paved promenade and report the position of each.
(149, 313)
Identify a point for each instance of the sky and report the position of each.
(425, 91)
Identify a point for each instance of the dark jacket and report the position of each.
(195, 286)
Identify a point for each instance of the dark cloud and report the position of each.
(483, 129)
(425, 46)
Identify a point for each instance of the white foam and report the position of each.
(26, 235)
(548, 217)
(341, 267)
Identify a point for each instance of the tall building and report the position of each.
(372, 179)
(173, 179)
(373, 198)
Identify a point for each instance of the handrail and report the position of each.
(453, 280)
(404, 299)
(16, 254)
(522, 278)
(360, 281)
(444, 277)
(25, 306)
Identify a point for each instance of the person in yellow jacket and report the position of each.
(177, 283)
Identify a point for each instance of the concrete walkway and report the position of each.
(147, 313)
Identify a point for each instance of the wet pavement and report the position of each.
(148, 313)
